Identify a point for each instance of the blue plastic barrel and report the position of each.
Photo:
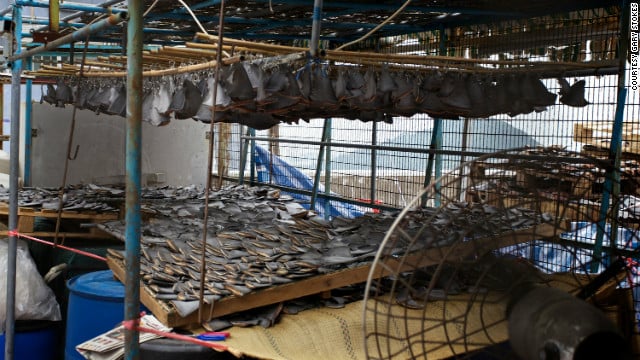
(34, 340)
(96, 305)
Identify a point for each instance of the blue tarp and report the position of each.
(552, 257)
(272, 169)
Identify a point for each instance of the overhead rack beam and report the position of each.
(72, 6)
(75, 36)
(14, 174)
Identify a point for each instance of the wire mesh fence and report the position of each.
(387, 163)
(344, 167)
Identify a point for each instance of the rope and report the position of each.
(59, 246)
(134, 325)
(193, 16)
(150, 8)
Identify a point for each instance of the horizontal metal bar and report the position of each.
(338, 144)
(75, 36)
(80, 13)
(77, 14)
(71, 6)
(80, 25)
(36, 21)
(603, 163)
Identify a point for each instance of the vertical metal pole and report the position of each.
(327, 174)
(252, 160)
(316, 179)
(611, 188)
(28, 114)
(2, 114)
(315, 28)
(14, 174)
(436, 144)
(436, 141)
(462, 181)
(133, 179)
(438, 173)
(374, 162)
(243, 156)
(313, 51)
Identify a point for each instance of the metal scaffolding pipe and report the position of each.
(28, 117)
(611, 186)
(315, 27)
(14, 174)
(40, 21)
(75, 36)
(133, 179)
(105, 5)
(70, 6)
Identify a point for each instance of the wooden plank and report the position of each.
(321, 283)
(63, 235)
(26, 223)
(599, 134)
(569, 211)
(4, 210)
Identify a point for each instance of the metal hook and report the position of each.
(75, 154)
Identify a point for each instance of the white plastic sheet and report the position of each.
(34, 299)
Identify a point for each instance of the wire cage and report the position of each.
(452, 280)
(382, 164)
(342, 163)
(344, 167)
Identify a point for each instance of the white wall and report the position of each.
(178, 150)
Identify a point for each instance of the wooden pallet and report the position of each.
(27, 216)
(536, 179)
(602, 153)
(322, 283)
(568, 211)
(598, 134)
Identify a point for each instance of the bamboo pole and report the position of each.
(55, 68)
(102, 64)
(171, 71)
(184, 52)
(357, 57)
(46, 73)
(159, 59)
(250, 44)
(214, 47)
(117, 58)
(232, 48)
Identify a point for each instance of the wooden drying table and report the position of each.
(26, 221)
(164, 312)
